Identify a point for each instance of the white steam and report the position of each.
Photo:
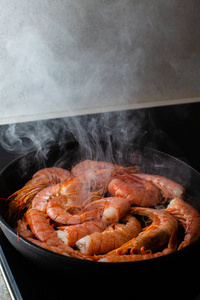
(103, 137)
(67, 55)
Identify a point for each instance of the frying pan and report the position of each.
(19, 171)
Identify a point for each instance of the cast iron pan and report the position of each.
(21, 170)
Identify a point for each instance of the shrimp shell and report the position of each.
(88, 165)
(113, 257)
(154, 236)
(138, 191)
(114, 236)
(40, 180)
(77, 190)
(188, 217)
(114, 208)
(41, 228)
(57, 210)
(71, 234)
(169, 188)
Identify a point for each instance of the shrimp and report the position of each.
(61, 249)
(41, 179)
(188, 217)
(110, 209)
(22, 228)
(57, 210)
(71, 234)
(114, 208)
(77, 190)
(47, 236)
(169, 188)
(114, 236)
(154, 236)
(87, 165)
(40, 227)
(95, 181)
(111, 257)
(138, 191)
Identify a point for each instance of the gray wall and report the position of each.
(59, 56)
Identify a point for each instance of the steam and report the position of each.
(106, 137)
(83, 54)
(86, 54)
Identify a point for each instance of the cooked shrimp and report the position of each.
(114, 236)
(154, 236)
(40, 227)
(71, 234)
(137, 190)
(110, 209)
(88, 165)
(114, 208)
(113, 257)
(91, 181)
(47, 236)
(58, 210)
(60, 249)
(169, 188)
(188, 217)
(22, 228)
(43, 197)
(77, 190)
(41, 179)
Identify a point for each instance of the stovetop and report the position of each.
(179, 128)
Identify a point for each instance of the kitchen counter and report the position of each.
(4, 294)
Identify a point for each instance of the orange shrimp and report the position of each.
(57, 210)
(78, 190)
(114, 208)
(137, 190)
(40, 227)
(60, 249)
(87, 165)
(114, 257)
(95, 181)
(154, 236)
(110, 209)
(169, 188)
(71, 234)
(47, 236)
(41, 200)
(22, 228)
(114, 236)
(41, 179)
(188, 217)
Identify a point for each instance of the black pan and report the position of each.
(21, 170)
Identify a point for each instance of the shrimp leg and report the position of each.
(47, 236)
(154, 236)
(114, 257)
(41, 179)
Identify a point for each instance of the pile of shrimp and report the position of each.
(104, 212)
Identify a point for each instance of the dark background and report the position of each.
(172, 129)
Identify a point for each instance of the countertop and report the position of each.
(5, 295)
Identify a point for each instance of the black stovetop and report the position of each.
(171, 129)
